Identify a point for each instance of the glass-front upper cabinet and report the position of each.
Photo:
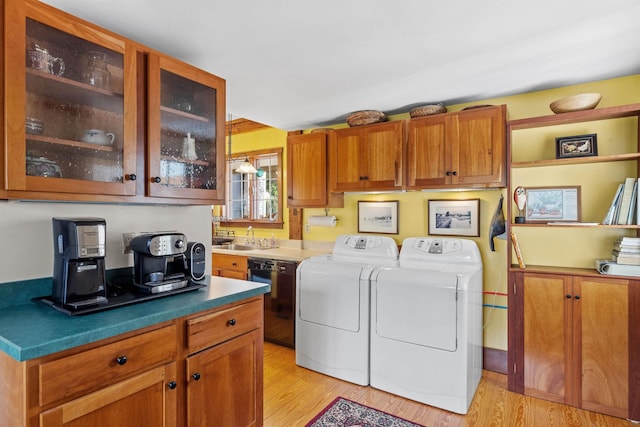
(185, 131)
(70, 112)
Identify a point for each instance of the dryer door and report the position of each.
(416, 306)
(329, 293)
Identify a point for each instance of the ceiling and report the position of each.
(299, 64)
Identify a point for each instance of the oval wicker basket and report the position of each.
(365, 117)
(427, 110)
(581, 101)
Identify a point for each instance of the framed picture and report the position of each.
(553, 204)
(576, 146)
(454, 217)
(378, 217)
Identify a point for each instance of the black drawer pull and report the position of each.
(172, 385)
(196, 376)
(231, 322)
(121, 360)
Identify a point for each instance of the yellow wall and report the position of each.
(413, 205)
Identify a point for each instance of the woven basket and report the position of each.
(581, 101)
(365, 117)
(427, 110)
(473, 107)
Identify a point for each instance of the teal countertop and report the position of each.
(31, 329)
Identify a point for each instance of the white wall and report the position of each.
(26, 239)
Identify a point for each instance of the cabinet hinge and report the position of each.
(515, 368)
(514, 289)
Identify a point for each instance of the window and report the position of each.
(254, 198)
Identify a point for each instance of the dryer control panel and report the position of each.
(441, 250)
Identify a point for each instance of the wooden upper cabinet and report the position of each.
(367, 157)
(462, 149)
(75, 116)
(185, 131)
(308, 173)
(70, 97)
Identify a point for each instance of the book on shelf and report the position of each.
(627, 243)
(604, 266)
(610, 217)
(516, 248)
(626, 259)
(631, 216)
(625, 201)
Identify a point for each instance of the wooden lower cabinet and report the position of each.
(146, 399)
(573, 341)
(231, 266)
(224, 383)
(147, 378)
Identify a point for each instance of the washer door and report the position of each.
(329, 294)
(416, 306)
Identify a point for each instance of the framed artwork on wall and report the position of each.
(454, 217)
(577, 146)
(553, 204)
(378, 217)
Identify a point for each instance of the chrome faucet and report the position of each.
(253, 236)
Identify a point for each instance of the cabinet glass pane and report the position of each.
(188, 133)
(74, 109)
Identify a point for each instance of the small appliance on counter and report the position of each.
(160, 263)
(164, 264)
(196, 259)
(78, 262)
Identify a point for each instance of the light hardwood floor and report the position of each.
(294, 395)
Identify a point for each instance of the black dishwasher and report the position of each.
(279, 304)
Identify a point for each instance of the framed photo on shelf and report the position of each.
(454, 217)
(553, 204)
(576, 146)
(378, 217)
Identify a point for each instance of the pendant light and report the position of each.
(245, 166)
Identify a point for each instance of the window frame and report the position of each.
(253, 156)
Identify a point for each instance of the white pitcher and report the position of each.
(189, 147)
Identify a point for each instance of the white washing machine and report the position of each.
(426, 323)
(332, 295)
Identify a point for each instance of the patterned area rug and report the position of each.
(346, 413)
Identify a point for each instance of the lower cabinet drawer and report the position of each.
(209, 329)
(96, 368)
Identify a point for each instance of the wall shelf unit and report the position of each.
(572, 331)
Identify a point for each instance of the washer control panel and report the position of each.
(357, 245)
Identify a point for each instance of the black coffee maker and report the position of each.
(160, 263)
(78, 262)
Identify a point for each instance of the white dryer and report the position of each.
(426, 323)
(332, 295)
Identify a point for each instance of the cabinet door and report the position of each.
(307, 170)
(225, 384)
(547, 331)
(70, 117)
(478, 151)
(428, 152)
(601, 326)
(367, 157)
(383, 153)
(185, 131)
(147, 399)
(348, 171)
